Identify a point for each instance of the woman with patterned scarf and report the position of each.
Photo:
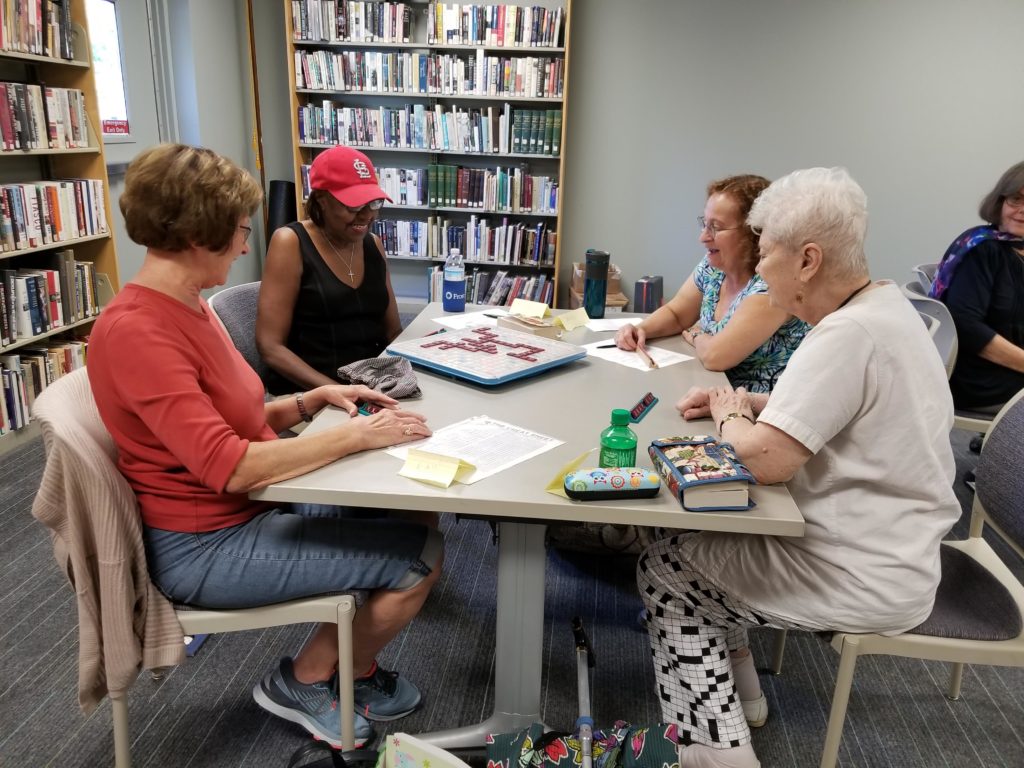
(981, 280)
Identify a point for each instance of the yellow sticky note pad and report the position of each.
(557, 484)
(573, 319)
(528, 308)
(435, 469)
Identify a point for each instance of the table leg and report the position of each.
(520, 628)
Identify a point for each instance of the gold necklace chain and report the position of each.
(351, 254)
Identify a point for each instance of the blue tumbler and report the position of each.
(595, 282)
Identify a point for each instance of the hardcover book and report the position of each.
(702, 473)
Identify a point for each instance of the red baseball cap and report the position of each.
(348, 175)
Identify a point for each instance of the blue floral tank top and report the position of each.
(761, 369)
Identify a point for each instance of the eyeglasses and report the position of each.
(1015, 201)
(247, 230)
(373, 205)
(712, 228)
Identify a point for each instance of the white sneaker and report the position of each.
(756, 711)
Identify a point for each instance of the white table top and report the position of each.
(572, 403)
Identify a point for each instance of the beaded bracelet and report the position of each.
(302, 407)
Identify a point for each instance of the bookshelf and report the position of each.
(461, 109)
(55, 232)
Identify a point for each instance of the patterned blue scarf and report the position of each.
(960, 248)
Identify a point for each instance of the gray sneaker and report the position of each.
(384, 695)
(313, 706)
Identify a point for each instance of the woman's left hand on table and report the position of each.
(726, 400)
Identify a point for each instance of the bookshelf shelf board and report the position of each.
(439, 96)
(418, 151)
(53, 246)
(514, 49)
(467, 262)
(30, 152)
(51, 332)
(19, 437)
(36, 59)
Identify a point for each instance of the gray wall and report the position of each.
(920, 100)
(205, 47)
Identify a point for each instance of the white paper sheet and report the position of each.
(612, 324)
(487, 444)
(488, 317)
(631, 359)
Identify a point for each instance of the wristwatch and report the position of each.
(731, 416)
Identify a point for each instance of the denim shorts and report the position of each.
(298, 550)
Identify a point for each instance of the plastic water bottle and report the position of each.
(453, 297)
(618, 442)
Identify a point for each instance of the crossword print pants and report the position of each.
(693, 625)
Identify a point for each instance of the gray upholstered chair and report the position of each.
(83, 493)
(979, 604)
(235, 307)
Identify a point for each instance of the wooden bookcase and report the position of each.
(377, 86)
(41, 164)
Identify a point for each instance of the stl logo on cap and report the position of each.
(361, 169)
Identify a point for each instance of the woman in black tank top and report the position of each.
(326, 298)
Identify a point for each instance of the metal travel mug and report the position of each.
(595, 282)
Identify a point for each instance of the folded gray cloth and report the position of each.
(389, 374)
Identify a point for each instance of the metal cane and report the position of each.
(584, 662)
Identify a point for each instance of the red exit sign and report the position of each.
(115, 127)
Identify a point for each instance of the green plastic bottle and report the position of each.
(618, 442)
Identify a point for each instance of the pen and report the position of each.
(488, 314)
(604, 346)
(647, 358)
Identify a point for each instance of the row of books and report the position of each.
(28, 373)
(40, 27)
(415, 126)
(38, 117)
(495, 288)
(479, 240)
(433, 74)
(51, 295)
(335, 21)
(38, 213)
(495, 190)
(494, 25)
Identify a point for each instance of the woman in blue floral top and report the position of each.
(723, 309)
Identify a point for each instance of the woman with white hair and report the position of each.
(858, 426)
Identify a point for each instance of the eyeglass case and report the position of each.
(609, 483)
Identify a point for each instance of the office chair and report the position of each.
(945, 334)
(946, 342)
(81, 476)
(235, 308)
(977, 617)
(930, 323)
(926, 275)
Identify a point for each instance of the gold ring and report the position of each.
(408, 430)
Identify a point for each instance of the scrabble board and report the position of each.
(488, 356)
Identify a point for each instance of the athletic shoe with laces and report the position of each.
(313, 706)
(384, 695)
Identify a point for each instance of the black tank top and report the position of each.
(334, 324)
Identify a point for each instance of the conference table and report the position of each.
(572, 403)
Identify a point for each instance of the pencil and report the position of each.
(647, 358)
